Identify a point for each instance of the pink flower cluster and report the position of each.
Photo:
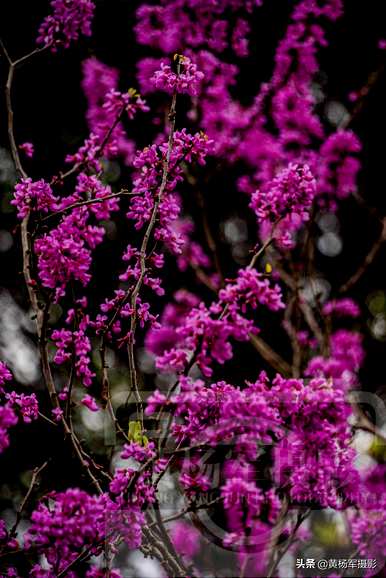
(75, 343)
(170, 26)
(119, 308)
(187, 81)
(25, 405)
(165, 336)
(186, 539)
(286, 201)
(290, 193)
(64, 253)
(192, 253)
(13, 406)
(5, 375)
(90, 403)
(132, 492)
(33, 196)
(89, 187)
(304, 425)
(106, 107)
(28, 149)
(345, 359)
(339, 169)
(368, 523)
(8, 419)
(315, 460)
(207, 331)
(69, 19)
(244, 503)
(64, 524)
(341, 308)
(148, 178)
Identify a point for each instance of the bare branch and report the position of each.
(371, 255)
(34, 482)
(85, 203)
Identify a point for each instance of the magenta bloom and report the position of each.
(90, 403)
(188, 81)
(33, 196)
(186, 539)
(8, 419)
(5, 375)
(28, 149)
(69, 19)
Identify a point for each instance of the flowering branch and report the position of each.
(248, 445)
(34, 482)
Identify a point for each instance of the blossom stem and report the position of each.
(85, 203)
(144, 245)
(41, 311)
(34, 482)
(77, 166)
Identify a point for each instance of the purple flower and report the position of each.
(187, 81)
(106, 105)
(69, 19)
(57, 414)
(90, 403)
(64, 253)
(210, 329)
(339, 167)
(5, 375)
(368, 522)
(341, 308)
(186, 539)
(33, 196)
(288, 196)
(78, 344)
(345, 359)
(147, 181)
(27, 405)
(28, 149)
(65, 523)
(8, 419)
(140, 453)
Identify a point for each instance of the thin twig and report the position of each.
(367, 260)
(190, 508)
(363, 421)
(144, 245)
(11, 134)
(47, 419)
(265, 245)
(77, 166)
(290, 540)
(372, 80)
(41, 311)
(292, 334)
(34, 481)
(270, 355)
(85, 203)
(31, 54)
(162, 553)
